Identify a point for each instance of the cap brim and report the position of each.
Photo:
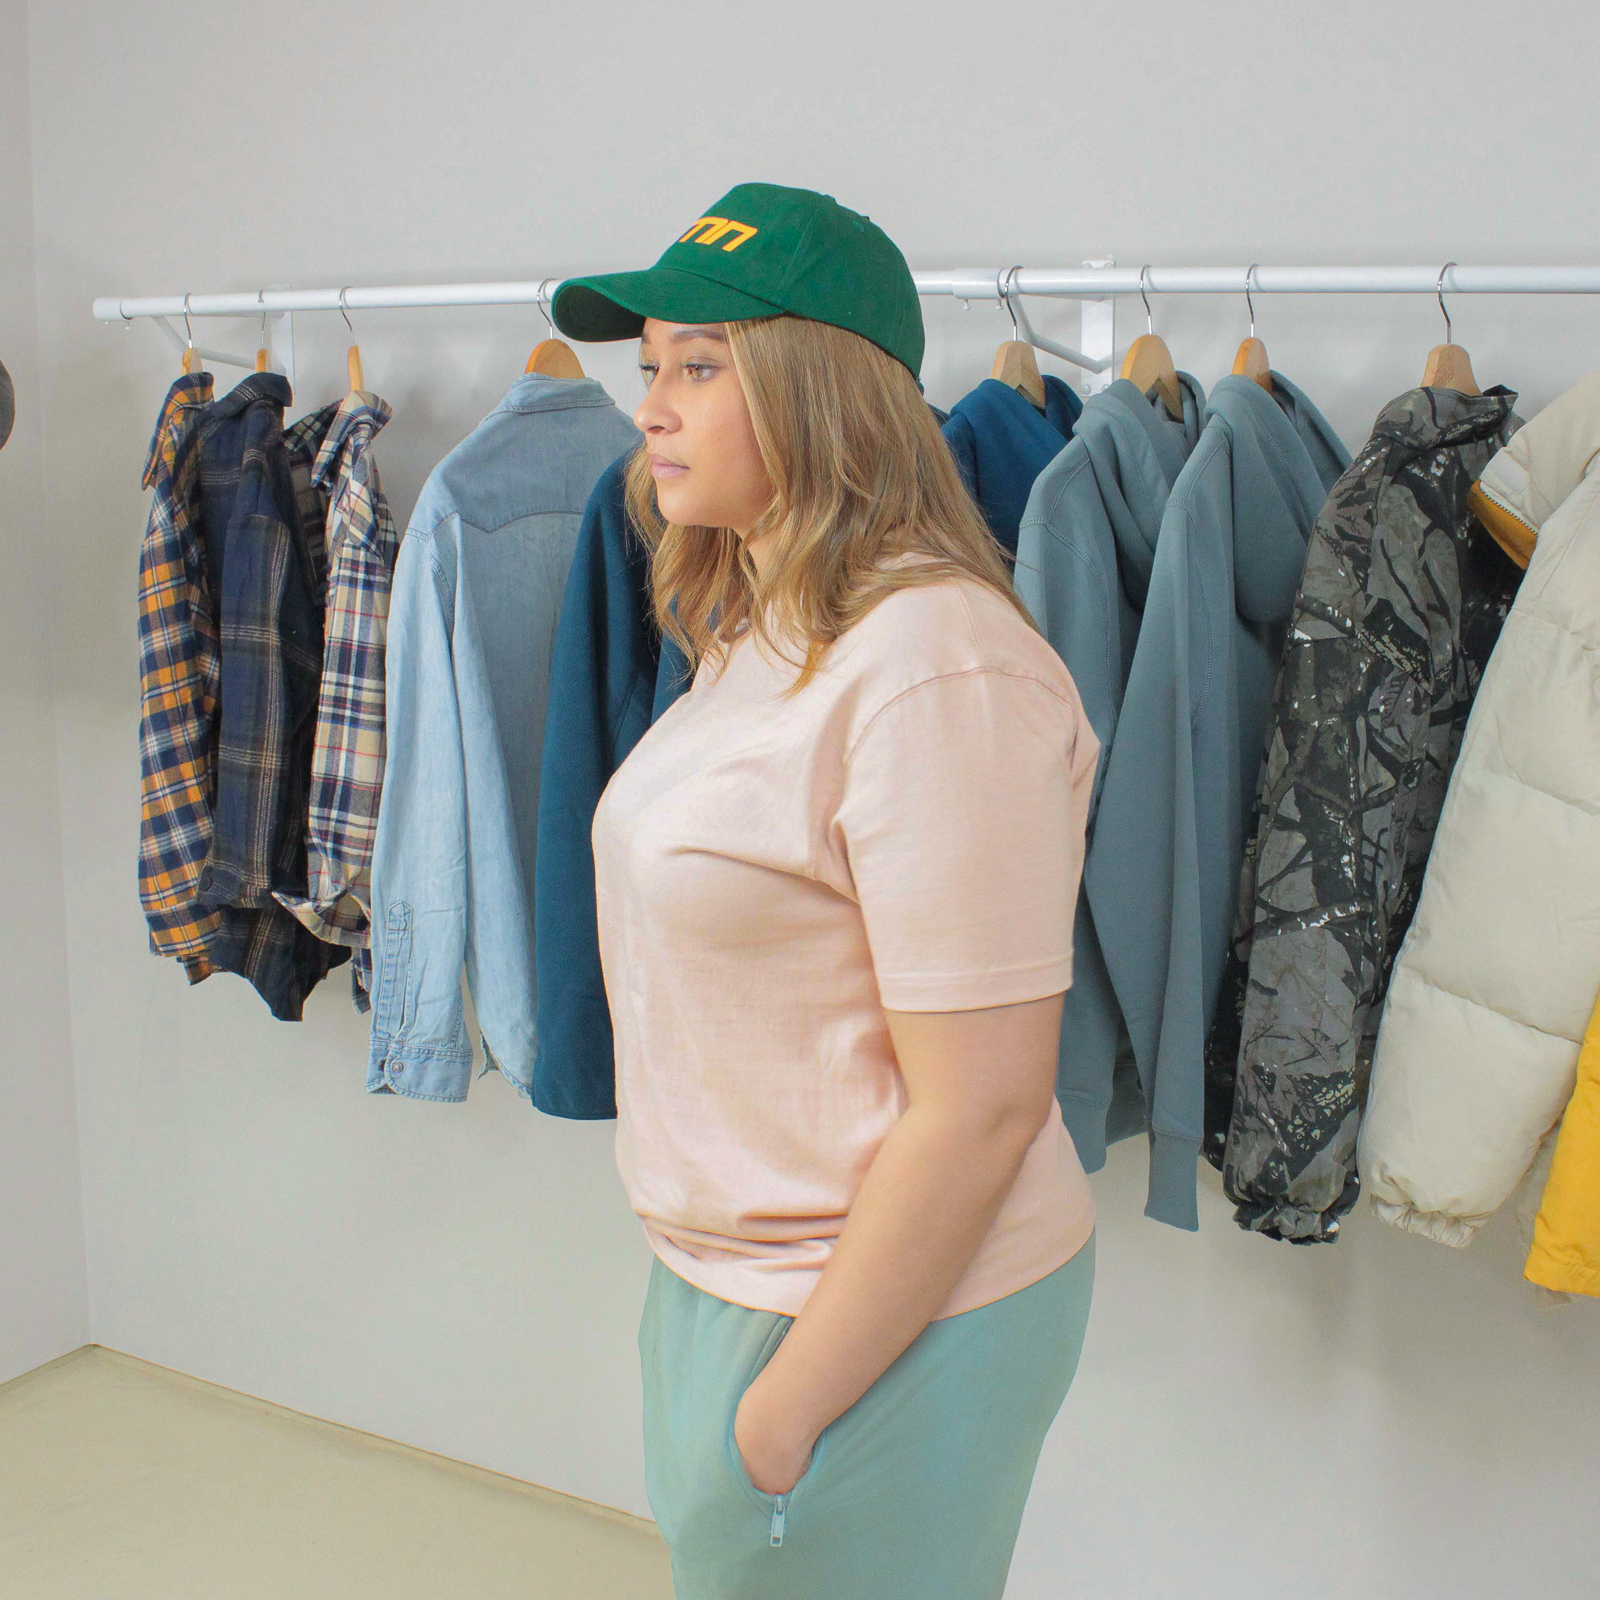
(613, 305)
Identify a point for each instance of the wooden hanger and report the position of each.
(555, 358)
(1449, 366)
(1148, 363)
(353, 355)
(1015, 364)
(1251, 361)
(191, 356)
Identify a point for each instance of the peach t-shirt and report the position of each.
(906, 832)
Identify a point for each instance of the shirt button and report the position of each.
(399, 1066)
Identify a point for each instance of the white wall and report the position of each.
(1384, 1415)
(43, 1304)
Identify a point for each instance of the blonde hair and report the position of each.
(860, 473)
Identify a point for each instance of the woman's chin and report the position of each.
(677, 506)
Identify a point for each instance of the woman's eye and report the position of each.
(699, 371)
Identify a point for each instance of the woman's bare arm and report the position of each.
(979, 1086)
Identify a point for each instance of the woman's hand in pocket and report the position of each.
(774, 1453)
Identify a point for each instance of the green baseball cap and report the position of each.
(761, 250)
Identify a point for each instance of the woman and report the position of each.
(835, 914)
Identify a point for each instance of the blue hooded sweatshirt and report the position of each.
(1084, 556)
(1001, 444)
(611, 675)
(1163, 866)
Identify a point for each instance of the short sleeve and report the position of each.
(961, 825)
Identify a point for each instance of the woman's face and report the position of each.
(703, 454)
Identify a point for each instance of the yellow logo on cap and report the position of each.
(711, 229)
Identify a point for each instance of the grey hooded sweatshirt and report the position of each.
(1085, 549)
(1180, 783)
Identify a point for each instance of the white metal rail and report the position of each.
(1095, 284)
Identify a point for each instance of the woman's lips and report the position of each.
(666, 469)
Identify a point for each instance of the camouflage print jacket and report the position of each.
(1401, 600)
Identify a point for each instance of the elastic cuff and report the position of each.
(1436, 1225)
(1171, 1197)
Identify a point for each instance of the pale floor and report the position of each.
(121, 1480)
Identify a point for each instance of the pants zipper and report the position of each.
(777, 1519)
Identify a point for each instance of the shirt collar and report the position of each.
(187, 393)
(535, 391)
(361, 414)
(271, 387)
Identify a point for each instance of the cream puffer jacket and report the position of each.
(1494, 986)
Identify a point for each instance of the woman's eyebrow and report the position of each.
(683, 335)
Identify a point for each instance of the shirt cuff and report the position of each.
(421, 1073)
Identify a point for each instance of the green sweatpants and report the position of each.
(915, 1492)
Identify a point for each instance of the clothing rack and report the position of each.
(1097, 284)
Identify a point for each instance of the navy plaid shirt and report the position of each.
(263, 517)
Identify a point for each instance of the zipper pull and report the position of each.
(777, 1519)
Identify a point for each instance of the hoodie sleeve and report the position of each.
(1157, 904)
(1066, 575)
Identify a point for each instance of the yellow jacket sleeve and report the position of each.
(1566, 1233)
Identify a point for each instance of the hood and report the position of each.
(1544, 462)
(1136, 452)
(1005, 416)
(1285, 459)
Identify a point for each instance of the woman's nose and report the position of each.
(651, 414)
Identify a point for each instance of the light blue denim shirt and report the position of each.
(472, 622)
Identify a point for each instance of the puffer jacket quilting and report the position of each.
(1495, 985)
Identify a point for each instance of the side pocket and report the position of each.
(771, 1503)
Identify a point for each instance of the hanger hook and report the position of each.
(261, 300)
(539, 300)
(1440, 292)
(189, 326)
(1150, 321)
(1249, 273)
(346, 315)
(1005, 295)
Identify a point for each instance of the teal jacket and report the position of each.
(1085, 550)
(1175, 803)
